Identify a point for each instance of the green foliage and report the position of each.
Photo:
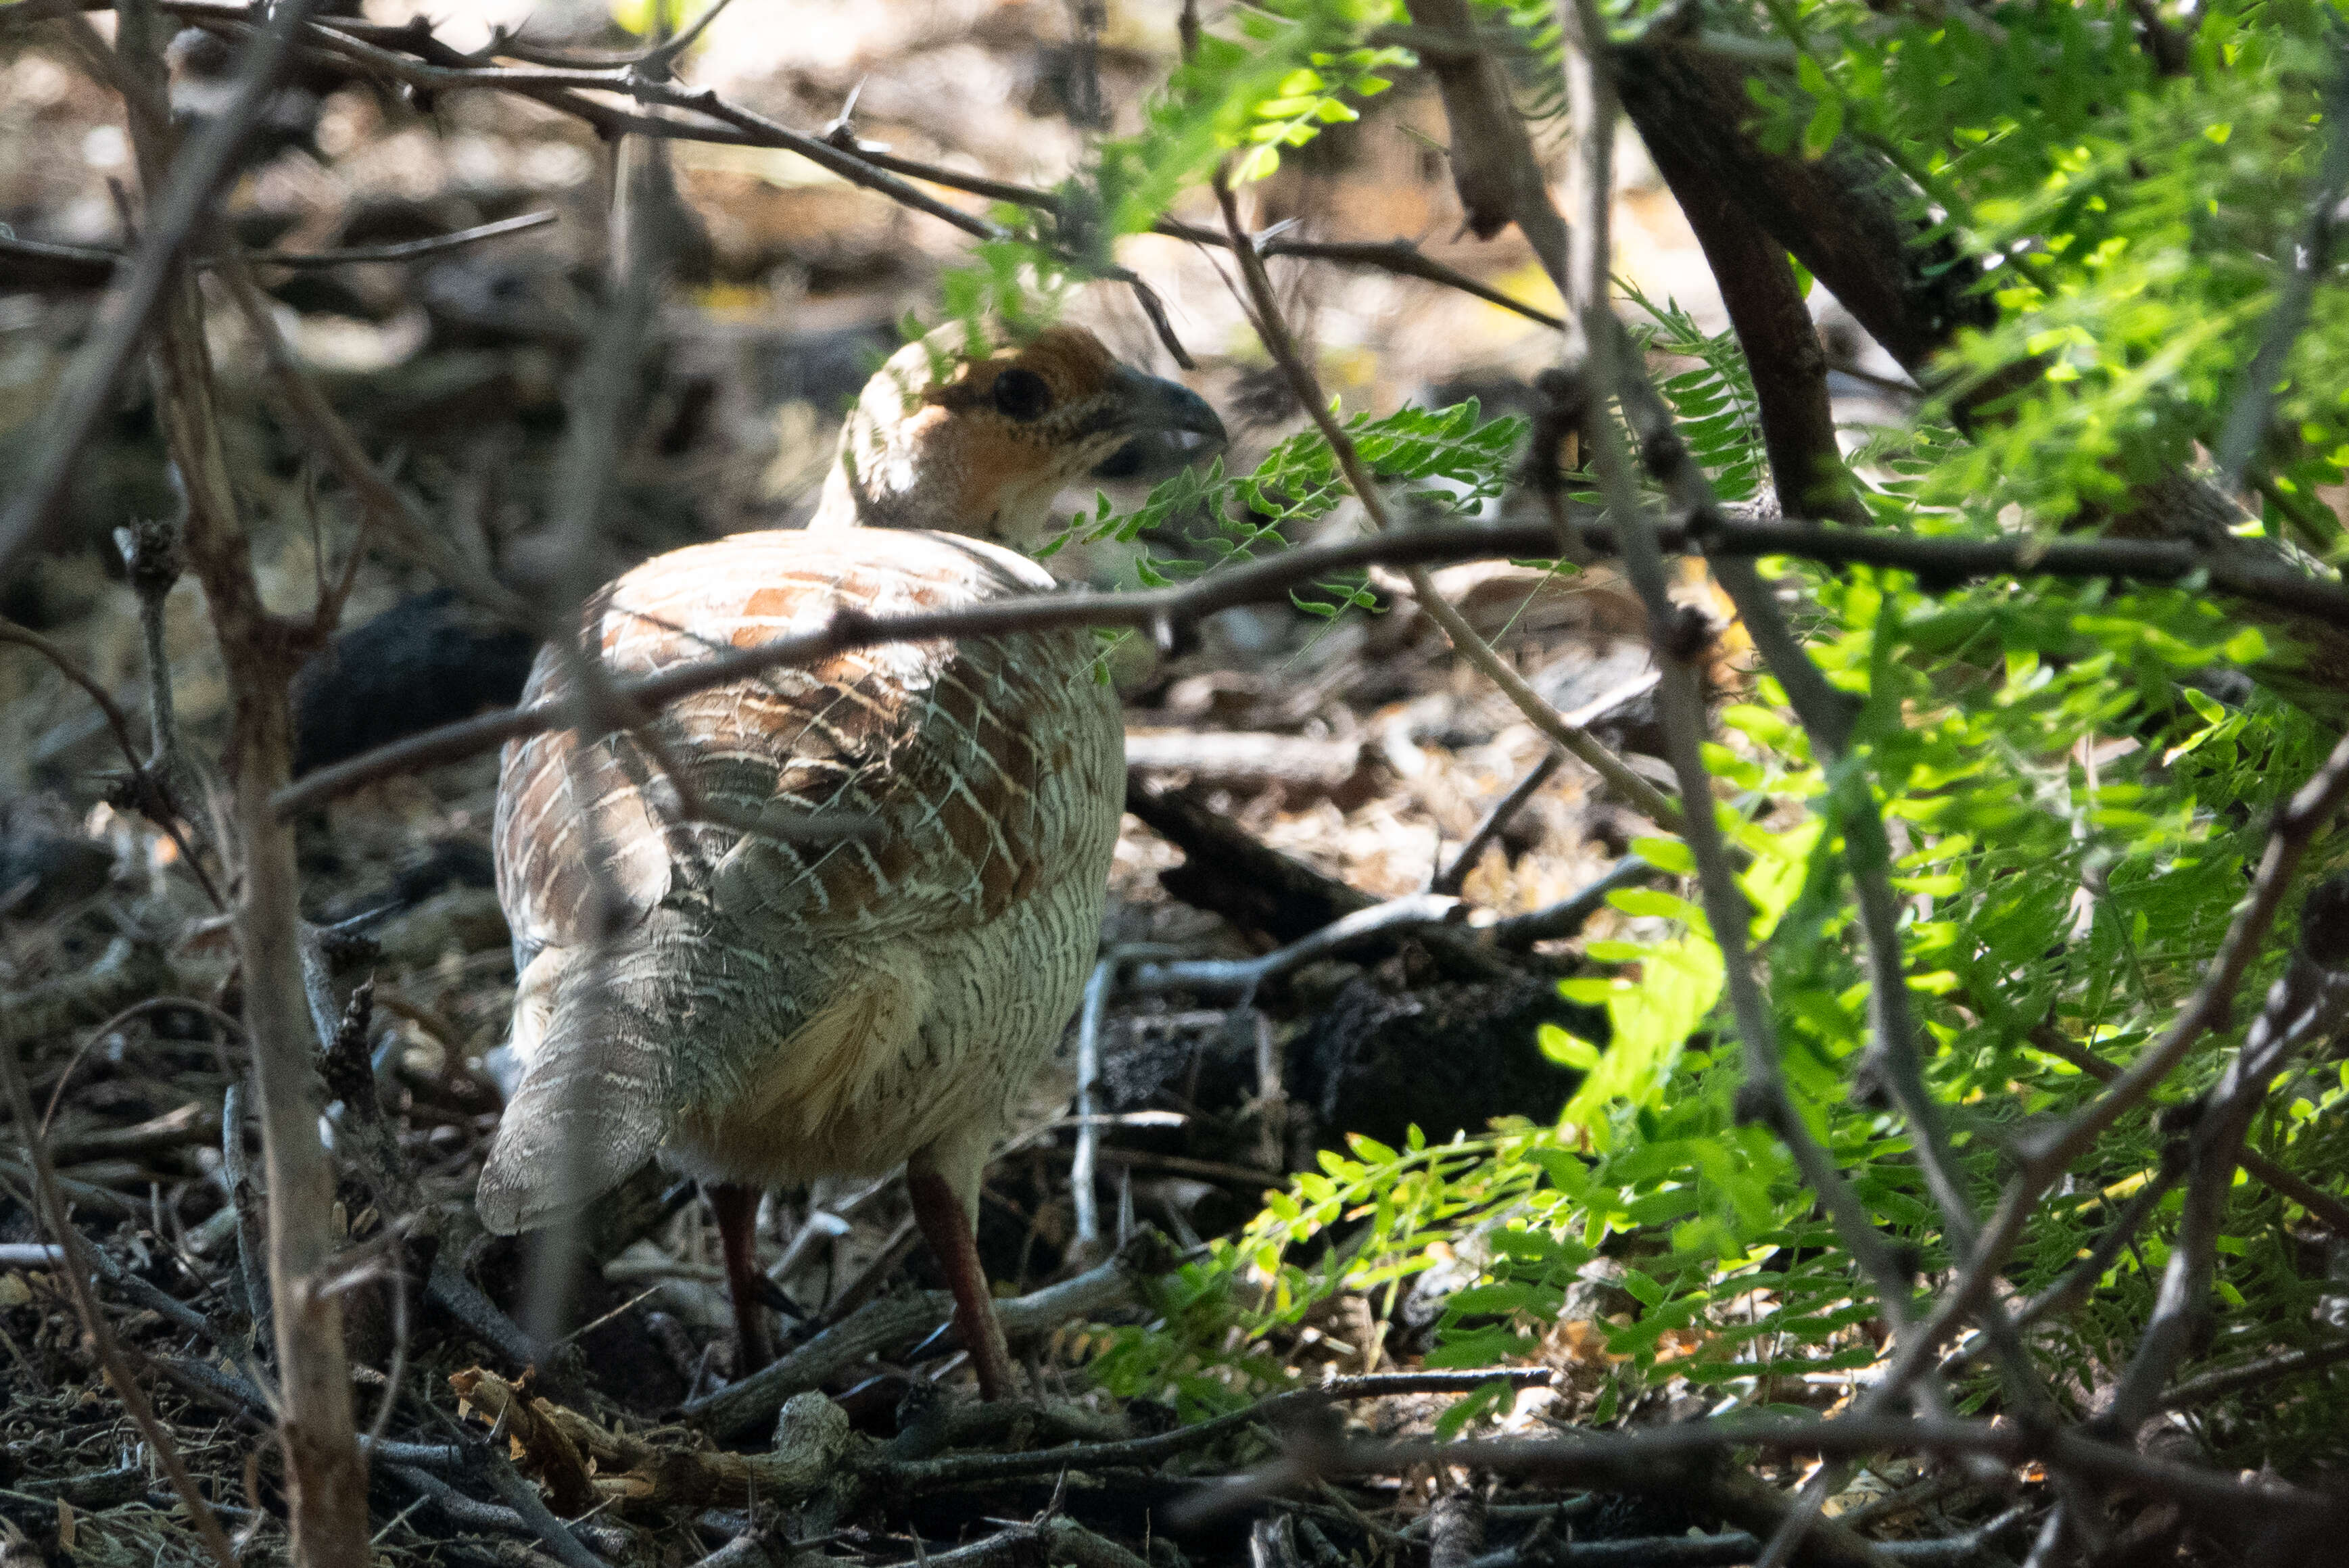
(1311, 97)
(1711, 398)
(2076, 779)
(1679, 979)
(1288, 68)
(642, 16)
(1999, 827)
(2129, 225)
(1449, 461)
(1284, 70)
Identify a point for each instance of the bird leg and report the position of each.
(736, 1209)
(946, 1221)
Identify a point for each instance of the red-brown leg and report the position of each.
(737, 1211)
(946, 1225)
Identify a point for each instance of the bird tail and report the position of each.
(592, 1102)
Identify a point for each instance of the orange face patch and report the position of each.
(997, 460)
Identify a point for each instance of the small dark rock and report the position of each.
(45, 861)
(430, 659)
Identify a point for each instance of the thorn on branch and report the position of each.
(348, 1067)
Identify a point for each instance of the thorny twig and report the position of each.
(97, 264)
(327, 1477)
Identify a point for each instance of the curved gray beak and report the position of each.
(1168, 427)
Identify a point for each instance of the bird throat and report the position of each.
(930, 471)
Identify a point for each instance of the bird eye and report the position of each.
(1021, 394)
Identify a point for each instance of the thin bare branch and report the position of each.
(2306, 1003)
(149, 791)
(1505, 809)
(327, 1477)
(92, 265)
(1449, 878)
(2325, 1208)
(1400, 256)
(1396, 917)
(1943, 563)
(1083, 1198)
(413, 56)
(2048, 1157)
(1643, 1457)
(641, 244)
(2222, 1382)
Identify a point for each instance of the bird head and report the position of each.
(978, 443)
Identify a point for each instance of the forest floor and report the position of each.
(1287, 771)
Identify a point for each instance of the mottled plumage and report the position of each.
(766, 1010)
(784, 1011)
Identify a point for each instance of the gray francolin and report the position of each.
(763, 1010)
